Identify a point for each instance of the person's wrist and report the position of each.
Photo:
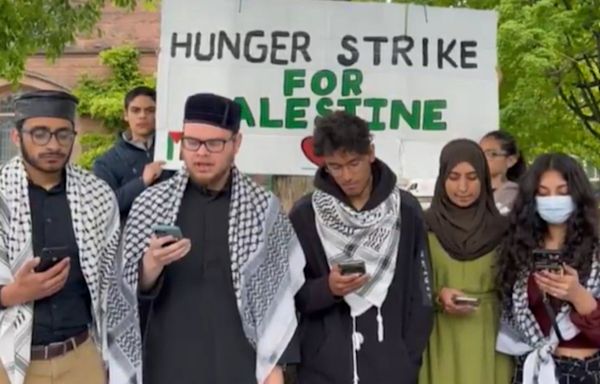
(8, 296)
(583, 301)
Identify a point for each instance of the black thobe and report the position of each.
(194, 334)
(68, 312)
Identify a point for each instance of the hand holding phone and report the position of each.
(342, 284)
(29, 285)
(447, 299)
(168, 230)
(466, 301)
(50, 257)
(353, 267)
(548, 260)
(166, 246)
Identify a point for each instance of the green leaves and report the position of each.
(103, 99)
(28, 27)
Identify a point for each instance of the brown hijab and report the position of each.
(465, 233)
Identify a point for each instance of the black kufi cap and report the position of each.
(213, 109)
(57, 104)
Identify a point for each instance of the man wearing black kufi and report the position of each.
(59, 231)
(222, 297)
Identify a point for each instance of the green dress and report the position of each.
(462, 349)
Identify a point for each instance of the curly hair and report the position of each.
(527, 230)
(341, 130)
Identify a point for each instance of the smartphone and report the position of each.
(548, 260)
(50, 257)
(465, 300)
(168, 230)
(353, 267)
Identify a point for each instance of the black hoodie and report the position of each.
(326, 326)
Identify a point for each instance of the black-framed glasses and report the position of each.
(42, 136)
(211, 145)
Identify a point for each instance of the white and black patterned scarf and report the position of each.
(372, 236)
(520, 333)
(266, 264)
(96, 225)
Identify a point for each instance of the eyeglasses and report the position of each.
(42, 135)
(492, 154)
(211, 145)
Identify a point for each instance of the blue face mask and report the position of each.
(555, 209)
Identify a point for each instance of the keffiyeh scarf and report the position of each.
(520, 333)
(371, 236)
(96, 225)
(266, 265)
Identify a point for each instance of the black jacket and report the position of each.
(122, 168)
(326, 325)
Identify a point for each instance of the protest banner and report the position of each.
(420, 75)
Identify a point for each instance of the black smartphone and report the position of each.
(168, 230)
(50, 257)
(352, 267)
(548, 260)
(465, 300)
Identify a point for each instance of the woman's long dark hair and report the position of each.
(509, 145)
(527, 229)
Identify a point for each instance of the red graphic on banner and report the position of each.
(309, 152)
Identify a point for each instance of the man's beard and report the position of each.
(36, 163)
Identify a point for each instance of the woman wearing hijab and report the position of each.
(464, 229)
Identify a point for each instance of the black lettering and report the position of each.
(262, 48)
(444, 54)
(377, 41)
(465, 54)
(277, 46)
(408, 43)
(199, 55)
(187, 44)
(425, 52)
(232, 46)
(354, 54)
(300, 43)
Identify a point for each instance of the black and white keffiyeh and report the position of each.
(267, 265)
(520, 333)
(372, 236)
(95, 216)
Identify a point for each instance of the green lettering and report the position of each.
(349, 105)
(295, 113)
(324, 106)
(293, 78)
(351, 82)
(265, 118)
(376, 124)
(399, 110)
(316, 83)
(246, 113)
(432, 115)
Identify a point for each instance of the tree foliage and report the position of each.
(30, 26)
(102, 99)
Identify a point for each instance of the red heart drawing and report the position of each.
(176, 136)
(309, 151)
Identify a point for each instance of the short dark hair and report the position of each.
(340, 130)
(19, 125)
(139, 91)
